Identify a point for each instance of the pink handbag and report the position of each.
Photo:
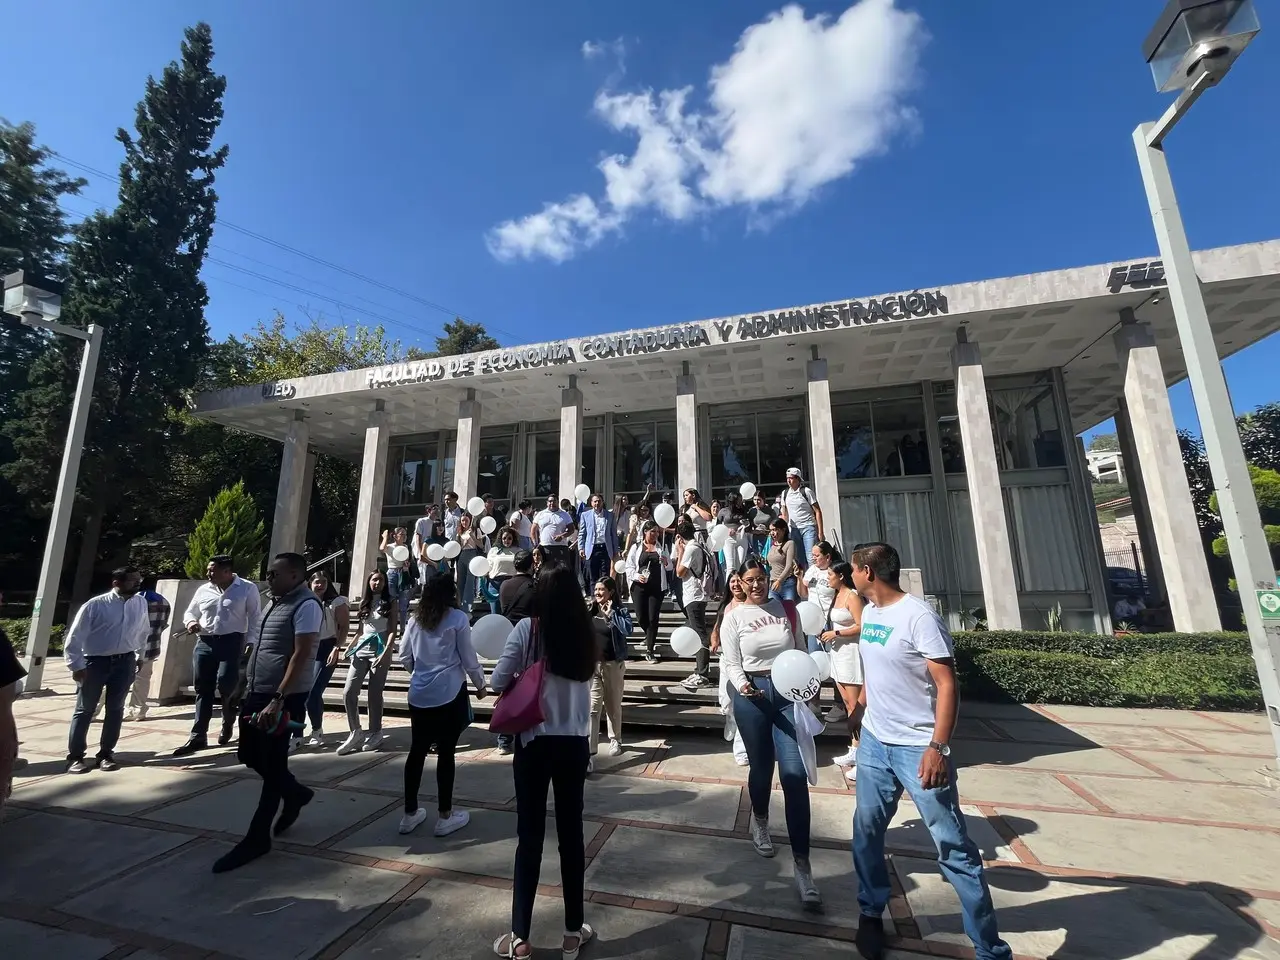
(519, 707)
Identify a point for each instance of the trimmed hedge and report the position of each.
(18, 628)
(1189, 671)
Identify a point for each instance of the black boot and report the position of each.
(191, 746)
(246, 851)
(291, 810)
(870, 939)
(228, 731)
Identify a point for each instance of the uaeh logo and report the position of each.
(875, 633)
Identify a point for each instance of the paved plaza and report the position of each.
(1110, 834)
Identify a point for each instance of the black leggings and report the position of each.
(441, 726)
(648, 603)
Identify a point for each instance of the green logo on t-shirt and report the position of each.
(875, 633)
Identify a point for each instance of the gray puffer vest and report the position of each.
(275, 645)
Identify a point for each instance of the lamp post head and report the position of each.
(1193, 37)
(26, 293)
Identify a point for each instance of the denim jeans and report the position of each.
(215, 662)
(114, 675)
(324, 672)
(883, 773)
(768, 731)
(805, 539)
(401, 587)
(787, 591)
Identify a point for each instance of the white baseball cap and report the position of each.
(794, 472)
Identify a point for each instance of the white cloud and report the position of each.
(799, 102)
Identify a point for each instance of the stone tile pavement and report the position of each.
(1109, 835)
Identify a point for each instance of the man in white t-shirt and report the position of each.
(910, 700)
(803, 515)
(694, 563)
(551, 528)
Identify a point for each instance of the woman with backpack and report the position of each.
(369, 656)
(553, 752)
(436, 650)
(752, 636)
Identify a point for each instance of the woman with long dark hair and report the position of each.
(783, 568)
(502, 565)
(753, 635)
(369, 655)
(436, 650)
(844, 626)
(696, 509)
(647, 568)
(553, 753)
(612, 626)
(474, 544)
(734, 594)
(337, 615)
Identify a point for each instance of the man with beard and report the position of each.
(103, 649)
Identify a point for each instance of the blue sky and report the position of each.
(988, 139)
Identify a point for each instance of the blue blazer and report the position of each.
(589, 533)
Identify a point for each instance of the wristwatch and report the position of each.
(278, 697)
(942, 748)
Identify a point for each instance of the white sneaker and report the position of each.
(847, 759)
(371, 742)
(742, 760)
(411, 821)
(454, 822)
(614, 749)
(316, 739)
(805, 886)
(851, 774)
(693, 681)
(352, 743)
(760, 836)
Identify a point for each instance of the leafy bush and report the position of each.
(1094, 645)
(17, 629)
(230, 525)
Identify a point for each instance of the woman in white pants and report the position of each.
(369, 656)
(841, 637)
(734, 594)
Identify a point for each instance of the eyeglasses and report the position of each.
(754, 581)
(271, 574)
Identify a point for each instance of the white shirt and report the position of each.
(895, 643)
(696, 518)
(691, 584)
(421, 534)
(566, 704)
(233, 610)
(502, 562)
(551, 524)
(799, 506)
(329, 630)
(439, 660)
(451, 517)
(522, 525)
(752, 636)
(106, 626)
(820, 591)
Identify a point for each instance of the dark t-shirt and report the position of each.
(515, 598)
(603, 628)
(760, 519)
(10, 669)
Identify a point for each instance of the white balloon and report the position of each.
(811, 618)
(823, 660)
(452, 549)
(488, 525)
(795, 676)
(435, 553)
(489, 635)
(620, 566)
(479, 567)
(664, 514)
(582, 492)
(399, 553)
(748, 490)
(475, 506)
(717, 536)
(685, 641)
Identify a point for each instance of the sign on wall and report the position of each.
(1136, 276)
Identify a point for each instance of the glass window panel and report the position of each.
(417, 473)
(1026, 430)
(590, 444)
(733, 452)
(544, 463)
(450, 455)
(665, 476)
(494, 468)
(781, 436)
(944, 405)
(391, 493)
(901, 444)
(634, 456)
(855, 451)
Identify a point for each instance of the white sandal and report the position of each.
(585, 936)
(510, 952)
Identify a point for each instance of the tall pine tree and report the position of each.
(135, 271)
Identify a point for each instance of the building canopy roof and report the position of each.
(1061, 318)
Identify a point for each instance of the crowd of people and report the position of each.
(561, 578)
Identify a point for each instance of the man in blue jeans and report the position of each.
(907, 715)
(801, 510)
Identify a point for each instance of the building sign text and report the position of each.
(1139, 276)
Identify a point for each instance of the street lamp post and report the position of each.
(38, 302)
(1191, 48)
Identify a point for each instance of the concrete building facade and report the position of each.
(942, 420)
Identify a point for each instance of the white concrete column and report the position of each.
(466, 464)
(373, 485)
(289, 492)
(304, 504)
(822, 440)
(687, 474)
(986, 500)
(570, 439)
(1164, 482)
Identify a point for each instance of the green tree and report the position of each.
(33, 233)
(1266, 488)
(1260, 435)
(231, 525)
(460, 336)
(135, 271)
(1104, 443)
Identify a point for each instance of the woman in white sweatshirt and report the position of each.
(752, 636)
